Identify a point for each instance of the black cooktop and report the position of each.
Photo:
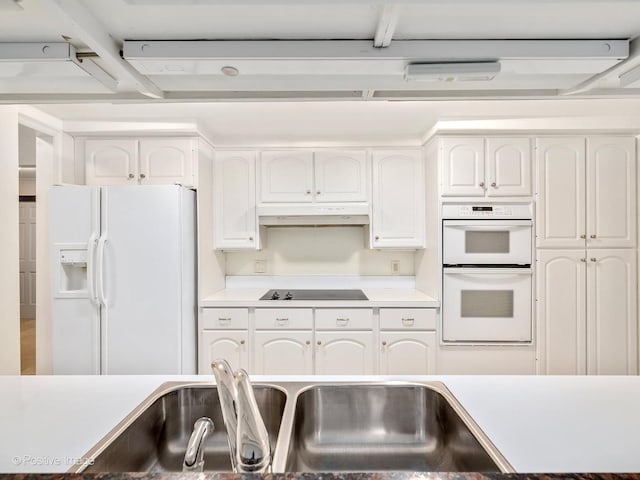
(284, 294)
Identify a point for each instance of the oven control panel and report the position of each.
(515, 211)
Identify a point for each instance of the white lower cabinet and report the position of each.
(285, 352)
(406, 348)
(587, 316)
(232, 345)
(403, 353)
(323, 341)
(344, 353)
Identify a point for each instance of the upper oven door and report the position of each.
(486, 242)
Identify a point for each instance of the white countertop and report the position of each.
(540, 424)
(378, 297)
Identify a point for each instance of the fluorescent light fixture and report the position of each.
(451, 72)
(53, 59)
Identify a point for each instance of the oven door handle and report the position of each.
(488, 271)
(497, 223)
(489, 228)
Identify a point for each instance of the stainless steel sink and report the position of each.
(313, 427)
(383, 427)
(154, 437)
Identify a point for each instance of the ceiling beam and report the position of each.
(92, 32)
(386, 26)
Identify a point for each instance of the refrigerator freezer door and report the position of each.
(73, 221)
(142, 281)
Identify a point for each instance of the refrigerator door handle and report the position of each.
(102, 298)
(91, 271)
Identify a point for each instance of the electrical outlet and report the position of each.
(395, 267)
(260, 266)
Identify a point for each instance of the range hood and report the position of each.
(283, 215)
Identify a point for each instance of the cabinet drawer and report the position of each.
(408, 319)
(225, 318)
(347, 319)
(284, 318)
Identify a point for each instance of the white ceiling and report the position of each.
(104, 26)
(321, 107)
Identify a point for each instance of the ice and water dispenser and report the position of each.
(71, 273)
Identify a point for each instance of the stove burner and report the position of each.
(314, 295)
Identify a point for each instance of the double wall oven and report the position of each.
(487, 275)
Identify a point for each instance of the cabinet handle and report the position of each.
(251, 239)
(408, 322)
(481, 184)
(583, 236)
(318, 192)
(282, 321)
(308, 192)
(319, 342)
(494, 184)
(224, 320)
(342, 322)
(142, 175)
(131, 175)
(308, 342)
(594, 259)
(593, 236)
(583, 259)
(241, 342)
(377, 237)
(384, 344)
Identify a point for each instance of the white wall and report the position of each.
(338, 250)
(9, 243)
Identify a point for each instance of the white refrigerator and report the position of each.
(124, 279)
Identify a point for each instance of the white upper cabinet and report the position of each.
(341, 176)
(167, 160)
(586, 192)
(611, 192)
(234, 200)
(508, 162)
(398, 199)
(141, 161)
(286, 176)
(560, 206)
(493, 167)
(111, 161)
(323, 177)
(462, 166)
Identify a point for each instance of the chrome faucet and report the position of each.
(194, 457)
(248, 437)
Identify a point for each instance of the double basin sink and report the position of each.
(312, 428)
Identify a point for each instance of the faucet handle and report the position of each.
(252, 441)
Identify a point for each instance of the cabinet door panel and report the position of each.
(341, 176)
(560, 207)
(611, 192)
(234, 198)
(166, 161)
(282, 353)
(344, 353)
(612, 323)
(407, 353)
(561, 312)
(286, 176)
(462, 166)
(398, 200)
(508, 166)
(228, 344)
(111, 162)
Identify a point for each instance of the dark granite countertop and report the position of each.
(327, 476)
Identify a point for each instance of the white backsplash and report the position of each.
(339, 250)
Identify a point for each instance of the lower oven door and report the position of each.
(486, 305)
